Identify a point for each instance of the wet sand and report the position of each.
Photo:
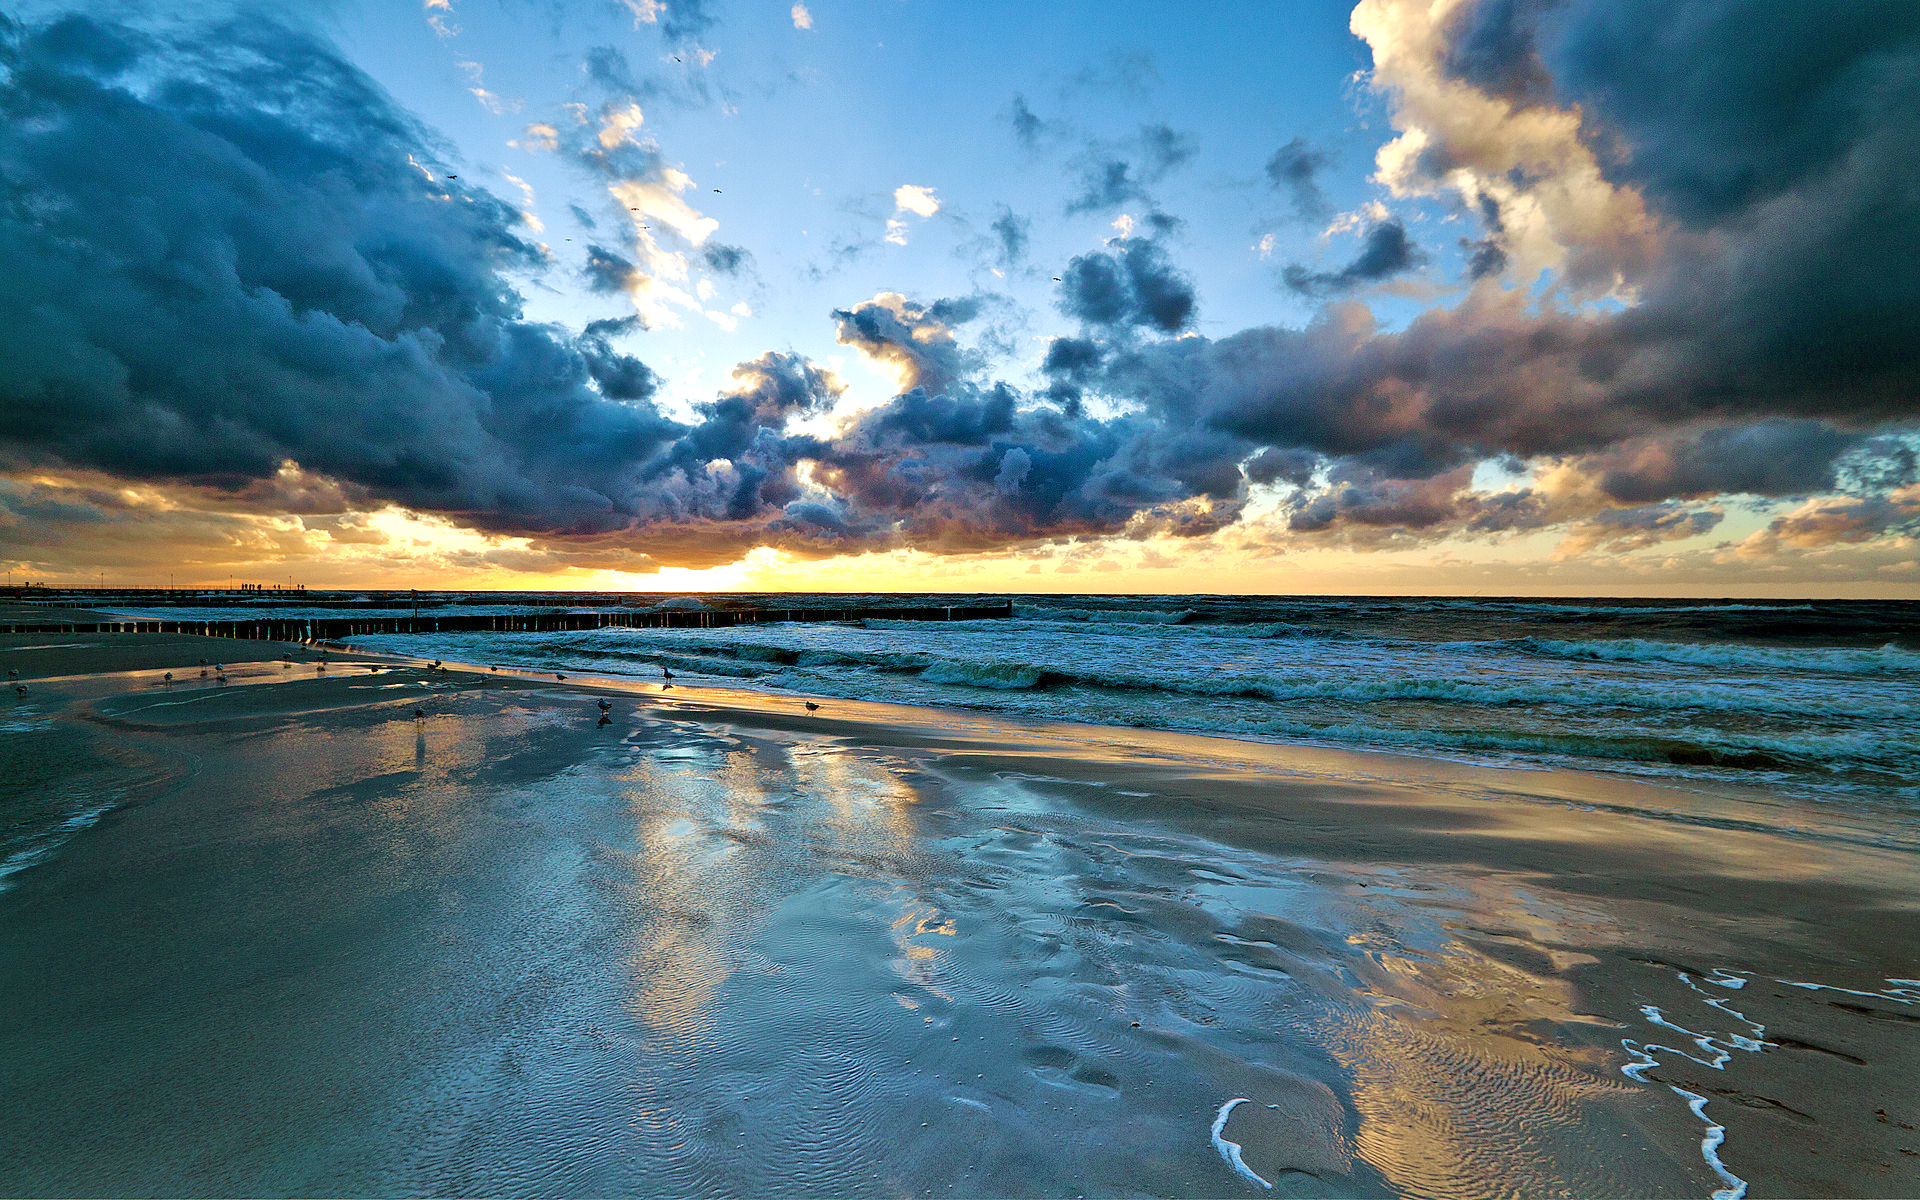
(723, 946)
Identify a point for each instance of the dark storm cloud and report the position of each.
(1293, 170)
(1769, 458)
(222, 259)
(1385, 251)
(1132, 284)
(1724, 103)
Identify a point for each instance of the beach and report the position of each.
(304, 942)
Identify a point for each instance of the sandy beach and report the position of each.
(298, 941)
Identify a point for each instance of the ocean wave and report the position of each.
(1330, 683)
(1888, 659)
(1826, 754)
(1113, 616)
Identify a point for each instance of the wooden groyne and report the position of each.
(335, 629)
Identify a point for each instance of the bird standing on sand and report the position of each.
(558, 675)
(665, 674)
(812, 707)
(605, 707)
(419, 714)
(167, 679)
(20, 689)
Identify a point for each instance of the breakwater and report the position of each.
(334, 629)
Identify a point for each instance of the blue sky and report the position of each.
(809, 132)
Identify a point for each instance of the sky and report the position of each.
(1409, 297)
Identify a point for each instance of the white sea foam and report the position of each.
(1886, 660)
(1231, 1150)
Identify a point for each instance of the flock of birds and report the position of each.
(219, 673)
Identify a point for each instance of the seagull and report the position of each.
(419, 714)
(168, 677)
(219, 678)
(1056, 279)
(19, 689)
(12, 674)
(558, 675)
(493, 668)
(665, 674)
(453, 177)
(812, 707)
(716, 191)
(604, 706)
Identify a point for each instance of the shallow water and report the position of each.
(1818, 699)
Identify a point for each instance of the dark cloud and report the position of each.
(1011, 231)
(1623, 529)
(727, 260)
(1485, 257)
(1724, 104)
(915, 339)
(1768, 458)
(1293, 169)
(619, 376)
(682, 21)
(1131, 284)
(1128, 73)
(1113, 175)
(1030, 129)
(1385, 251)
(583, 216)
(606, 271)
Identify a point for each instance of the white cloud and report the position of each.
(619, 126)
(918, 200)
(645, 11)
(896, 232)
(527, 212)
(540, 136)
(1557, 210)
(802, 19)
(1266, 246)
(1124, 223)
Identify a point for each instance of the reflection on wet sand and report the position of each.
(689, 954)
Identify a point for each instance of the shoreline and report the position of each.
(1509, 922)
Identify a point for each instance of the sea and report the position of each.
(1815, 699)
